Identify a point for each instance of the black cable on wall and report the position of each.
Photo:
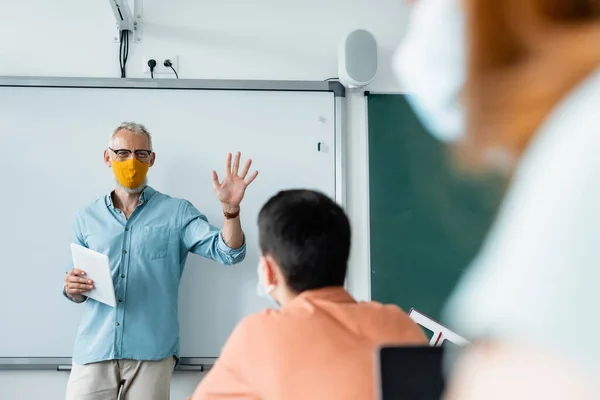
(123, 52)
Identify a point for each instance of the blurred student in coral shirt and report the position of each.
(321, 343)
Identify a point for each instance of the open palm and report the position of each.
(230, 191)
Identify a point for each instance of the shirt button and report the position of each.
(126, 229)
(124, 251)
(117, 324)
(120, 300)
(122, 275)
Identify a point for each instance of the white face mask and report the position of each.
(431, 66)
(261, 289)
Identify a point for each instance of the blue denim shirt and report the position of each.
(147, 254)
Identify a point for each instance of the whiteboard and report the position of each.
(53, 140)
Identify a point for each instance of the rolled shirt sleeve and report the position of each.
(78, 239)
(202, 238)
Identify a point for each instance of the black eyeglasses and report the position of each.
(124, 154)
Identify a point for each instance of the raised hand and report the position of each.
(230, 191)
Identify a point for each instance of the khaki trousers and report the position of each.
(121, 379)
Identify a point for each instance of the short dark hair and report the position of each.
(308, 234)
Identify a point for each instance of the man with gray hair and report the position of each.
(147, 235)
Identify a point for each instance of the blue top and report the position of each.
(147, 255)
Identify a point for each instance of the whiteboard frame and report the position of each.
(339, 93)
(199, 84)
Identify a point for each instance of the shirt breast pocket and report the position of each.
(155, 241)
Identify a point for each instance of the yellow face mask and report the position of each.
(130, 173)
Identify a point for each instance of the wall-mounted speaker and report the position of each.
(357, 59)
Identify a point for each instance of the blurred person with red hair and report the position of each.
(514, 86)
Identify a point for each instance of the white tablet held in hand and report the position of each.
(97, 268)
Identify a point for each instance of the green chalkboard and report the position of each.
(427, 221)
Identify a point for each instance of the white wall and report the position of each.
(228, 39)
